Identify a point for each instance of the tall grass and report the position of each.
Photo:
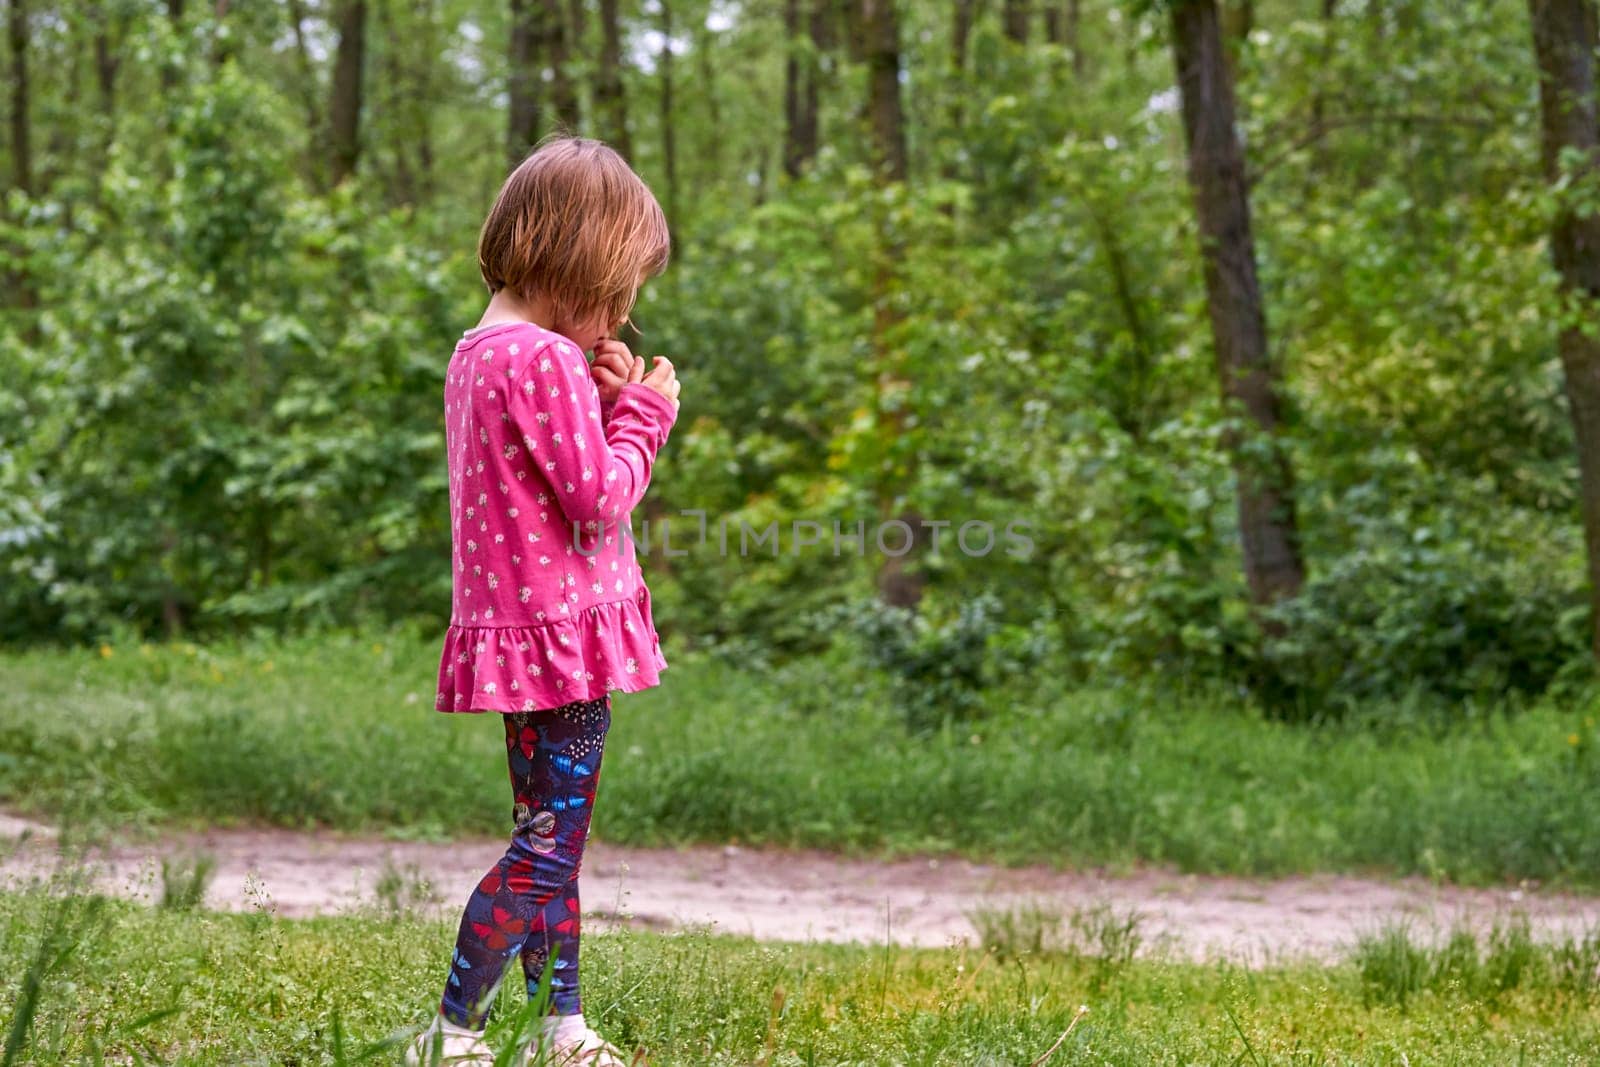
(1398, 963)
(183, 881)
(55, 950)
(54, 946)
(165, 987)
(340, 731)
(1101, 938)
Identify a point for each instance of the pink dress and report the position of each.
(542, 615)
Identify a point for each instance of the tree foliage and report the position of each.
(222, 373)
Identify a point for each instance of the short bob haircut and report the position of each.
(575, 225)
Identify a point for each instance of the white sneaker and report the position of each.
(444, 1044)
(589, 1049)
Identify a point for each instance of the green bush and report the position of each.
(942, 670)
(1426, 610)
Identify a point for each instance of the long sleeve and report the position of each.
(599, 469)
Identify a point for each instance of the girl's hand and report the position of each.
(613, 367)
(663, 378)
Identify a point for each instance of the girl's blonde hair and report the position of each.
(574, 224)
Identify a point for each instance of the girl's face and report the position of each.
(598, 328)
(585, 334)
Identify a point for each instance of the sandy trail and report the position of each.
(806, 895)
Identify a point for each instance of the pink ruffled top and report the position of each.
(548, 604)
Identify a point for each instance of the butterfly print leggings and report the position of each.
(527, 904)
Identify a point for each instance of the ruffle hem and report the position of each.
(611, 646)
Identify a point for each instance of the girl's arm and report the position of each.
(599, 468)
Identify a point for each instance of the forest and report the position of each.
(1130, 540)
(1273, 321)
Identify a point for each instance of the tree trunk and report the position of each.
(21, 126)
(881, 26)
(1408, 17)
(577, 29)
(898, 583)
(172, 601)
(824, 37)
(669, 134)
(1129, 33)
(1319, 124)
(850, 16)
(303, 66)
(308, 91)
(1075, 37)
(169, 70)
(1063, 21)
(1130, 407)
(791, 87)
(1238, 19)
(395, 97)
(344, 105)
(762, 165)
(1591, 18)
(562, 36)
(20, 292)
(422, 95)
(961, 22)
(711, 153)
(1267, 521)
(61, 140)
(522, 110)
(961, 32)
(609, 100)
(809, 130)
(1564, 43)
(799, 91)
(107, 58)
(1591, 23)
(1014, 13)
(224, 44)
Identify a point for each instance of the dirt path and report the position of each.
(806, 895)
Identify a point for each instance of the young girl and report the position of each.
(547, 456)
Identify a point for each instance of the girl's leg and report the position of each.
(554, 759)
(556, 934)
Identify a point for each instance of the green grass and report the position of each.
(256, 989)
(339, 730)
